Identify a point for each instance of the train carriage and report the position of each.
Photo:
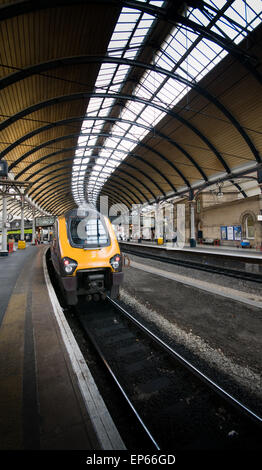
(86, 256)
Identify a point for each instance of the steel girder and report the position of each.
(16, 76)
(65, 182)
(72, 136)
(127, 97)
(111, 120)
(167, 14)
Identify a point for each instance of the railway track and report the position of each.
(172, 403)
(175, 403)
(238, 274)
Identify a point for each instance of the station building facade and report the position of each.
(227, 221)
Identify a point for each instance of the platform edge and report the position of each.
(105, 429)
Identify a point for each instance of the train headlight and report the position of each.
(69, 265)
(116, 262)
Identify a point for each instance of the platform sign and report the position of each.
(237, 232)
(44, 221)
(230, 233)
(223, 230)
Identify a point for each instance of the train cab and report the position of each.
(86, 256)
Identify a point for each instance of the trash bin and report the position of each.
(192, 242)
(160, 241)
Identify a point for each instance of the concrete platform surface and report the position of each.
(42, 404)
(204, 249)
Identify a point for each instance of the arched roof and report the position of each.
(135, 100)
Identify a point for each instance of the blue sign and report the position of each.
(232, 232)
(237, 232)
(223, 230)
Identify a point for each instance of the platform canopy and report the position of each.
(135, 100)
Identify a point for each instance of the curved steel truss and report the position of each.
(137, 112)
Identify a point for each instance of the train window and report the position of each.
(88, 232)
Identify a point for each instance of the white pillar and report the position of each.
(4, 227)
(259, 226)
(192, 220)
(136, 229)
(181, 225)
(22, 218)
(159, 220)
(192, 223)
(33, 227)
(169, 221)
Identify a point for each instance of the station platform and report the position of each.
(48, 398)
(247, 262)
(220, 250)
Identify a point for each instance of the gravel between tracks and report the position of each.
(237, 379)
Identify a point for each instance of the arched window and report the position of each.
(249, 226)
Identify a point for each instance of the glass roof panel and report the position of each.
(232, 23)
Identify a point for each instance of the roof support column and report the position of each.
(259, 222)
(33, 226)
(158, 221)
(4, 251)
(192, 204)
(136, 226)
(22, 237)
(180, 226)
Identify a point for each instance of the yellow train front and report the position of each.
(86, 256)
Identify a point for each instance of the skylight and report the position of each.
(129, 33)
(184, 52)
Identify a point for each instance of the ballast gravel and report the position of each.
(234, 377)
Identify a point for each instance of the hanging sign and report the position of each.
(44, 221)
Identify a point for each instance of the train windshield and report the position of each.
(88, 232)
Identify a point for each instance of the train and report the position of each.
(86, 256)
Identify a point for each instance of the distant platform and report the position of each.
(204, 249)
